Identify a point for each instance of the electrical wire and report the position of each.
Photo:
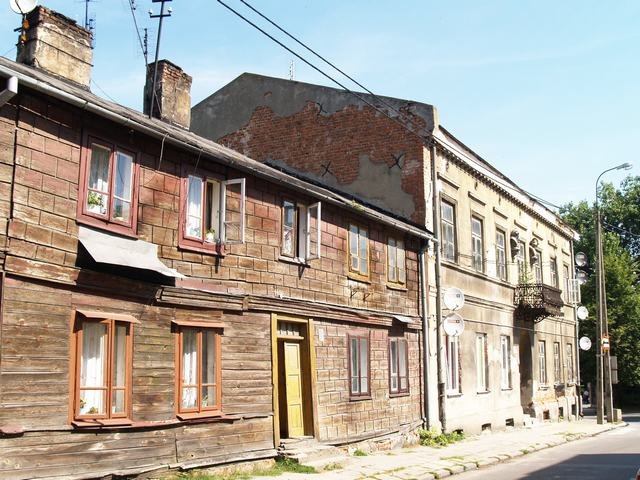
(135, 22)
(422, 138)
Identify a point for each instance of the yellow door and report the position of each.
(293, 374)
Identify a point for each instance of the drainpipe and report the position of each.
(425, 335)
(436, 233)
(9, 92)
(577, 342)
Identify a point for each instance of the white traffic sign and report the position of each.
(585, 343)
(582, 312)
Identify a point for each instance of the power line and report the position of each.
(422, 138)
(132, 7)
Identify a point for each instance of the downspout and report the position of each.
(425, 336)
(436, 233)
(10, 91)
(577, 339)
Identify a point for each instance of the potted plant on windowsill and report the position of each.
(210, 235)
(95, 202)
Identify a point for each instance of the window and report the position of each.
(396, 270)
(103, 352)
(566, 295)
(482, 380)
(359, 366)
(501, 255)
(557, 367)
(358, 250)
(108, 187)
(453, 365)
(570, 373)
(213, 212)
(520, 262)
(398, 360)
(300, 230)
(199, 390)
(477, 253)
(505, 362)
(542, 362)
(554, 272)
(448, 222)
(536, 265)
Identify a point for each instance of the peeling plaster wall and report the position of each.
(326, 134)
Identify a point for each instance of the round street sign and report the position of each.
(453, 298)
(453, 325)
(582, 312)
(585, 343)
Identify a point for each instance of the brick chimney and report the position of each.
(57, 45)
(173, 94)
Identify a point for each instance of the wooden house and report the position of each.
(167, 302)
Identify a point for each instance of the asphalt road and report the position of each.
(613, 455)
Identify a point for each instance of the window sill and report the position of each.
(294, 260)
(543, 386)
(357, 399)
(506, 389)
(397, 286)
(102, 423)
(454, 394)
(198, 415)
(483, 392)
(208, 248)
(359, 278)
(116, 228)
(399, 394)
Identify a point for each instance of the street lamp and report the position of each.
(603, 360)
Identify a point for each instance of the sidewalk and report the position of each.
(425, 463)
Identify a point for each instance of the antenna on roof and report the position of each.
(292, 70)
(90, 22)
(142, 40)
(155, 67)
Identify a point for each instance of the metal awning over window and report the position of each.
(403, 319)
(113, 249)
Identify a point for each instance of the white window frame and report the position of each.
(453, 365)
(542, 362)
(477, 244)
(553, 267)
(359, 233)
(557, 363)
(448, 228)
(482, 367)
(505, 362)
(501, 255)
(396, 262)
(305, 235)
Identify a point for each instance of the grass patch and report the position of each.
(453, 457)
(431, 438)
(332, 466)
(281, 466)
(360, 453)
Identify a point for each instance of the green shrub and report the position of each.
(432, 438)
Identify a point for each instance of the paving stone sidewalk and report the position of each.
(426, 463)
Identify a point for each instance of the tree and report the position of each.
(621, 220)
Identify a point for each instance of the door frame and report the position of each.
(309, 340)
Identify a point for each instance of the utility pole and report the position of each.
(604, 394)
(155, 66)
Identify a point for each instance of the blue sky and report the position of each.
(546, 91)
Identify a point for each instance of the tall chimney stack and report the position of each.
(173, 94)
(57, 45)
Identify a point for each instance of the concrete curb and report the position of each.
(495, 459)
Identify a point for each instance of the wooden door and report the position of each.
(293, 374)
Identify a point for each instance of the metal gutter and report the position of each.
(191, 142)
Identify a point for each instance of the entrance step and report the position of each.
(307, 451)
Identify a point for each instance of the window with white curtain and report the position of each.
(199, 371)
(301, 230)
(482, 373)
(108, 186)
(453, 365)
(103, 351)
(505, 362)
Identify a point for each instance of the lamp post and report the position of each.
(603, 360)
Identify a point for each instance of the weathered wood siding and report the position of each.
(35, 389)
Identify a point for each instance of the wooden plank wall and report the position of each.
(35, 389)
